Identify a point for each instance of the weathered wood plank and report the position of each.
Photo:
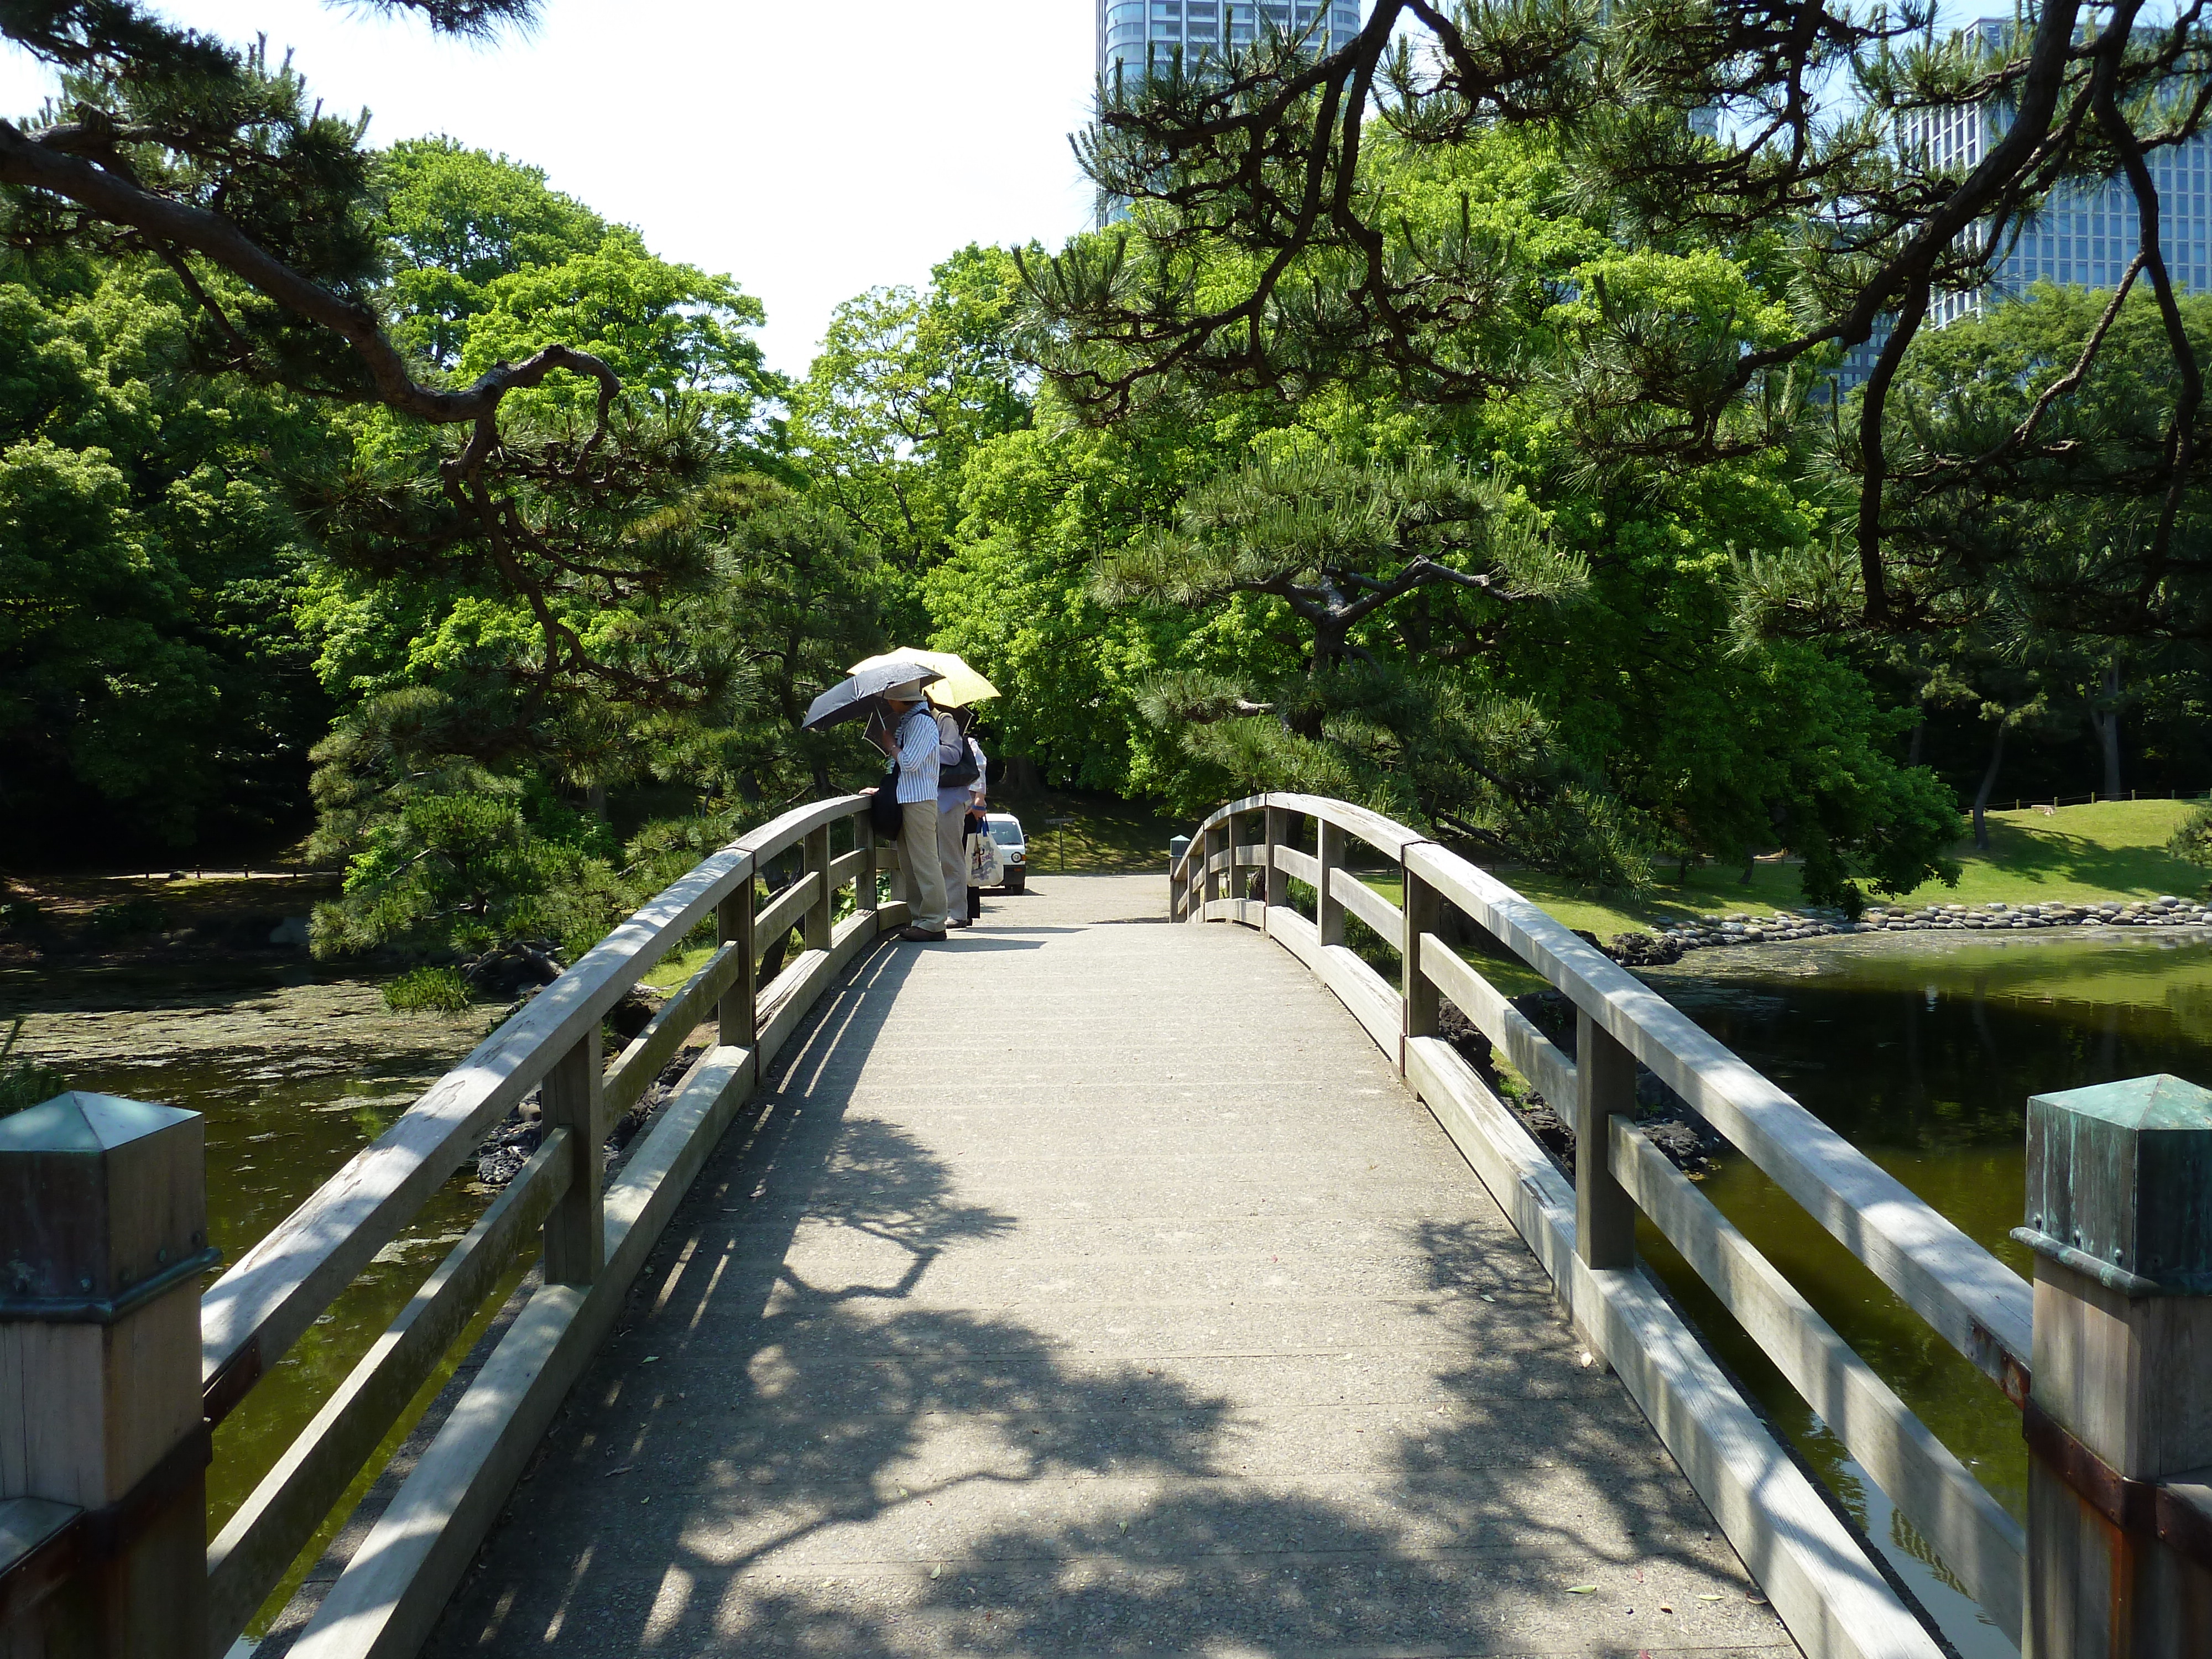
(850, 867)
(785, 1004)
(1251, 912)
(1369, 906)
(782, 913)
(1975, 1302)
(258, 1309)
(1835, 1602)
(573, 1231)
(383, 1604)
(1977, 1540)
(1300, 866)
(1294, 934)
(274, 1524)
(640, 1061)
(1386, 837)
(1363, 991)
(1526, 1050)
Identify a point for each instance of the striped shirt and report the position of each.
(921, 749)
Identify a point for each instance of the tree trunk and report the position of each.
(595, 796)
(2107, 721)
(1919, 732)
(1988, 783)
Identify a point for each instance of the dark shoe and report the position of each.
(959, 921)
(919, 937)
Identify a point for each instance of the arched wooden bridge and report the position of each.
(1092, 1284)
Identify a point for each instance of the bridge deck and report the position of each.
(1091, 1288)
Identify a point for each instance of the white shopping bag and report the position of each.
(984, 869)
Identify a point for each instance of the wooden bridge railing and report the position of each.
(2120, 1446)
(55, 1541)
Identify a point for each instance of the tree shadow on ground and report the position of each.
(872, 1458)
(2037, 855)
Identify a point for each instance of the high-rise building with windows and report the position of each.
(2086, 234)
(1135, 35)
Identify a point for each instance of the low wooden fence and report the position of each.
(2117, 1556)
(102, 1537)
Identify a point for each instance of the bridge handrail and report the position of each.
(1980, 1306)
(260, 1307)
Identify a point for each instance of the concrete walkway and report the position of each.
(1089, 1286)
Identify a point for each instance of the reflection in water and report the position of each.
(1923, 1052)
(293, 1080)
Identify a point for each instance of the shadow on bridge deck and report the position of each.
(1083, 1288)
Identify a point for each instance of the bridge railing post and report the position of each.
(734, 926)
(821, 914)
(1605, 1085)
(866, 891)
(1422, 908)
(1328, 910)
(1277, 890)
(1240, 876)
(2119, 1414)
(1178, 879)
(103, 1450)
(575, 1227)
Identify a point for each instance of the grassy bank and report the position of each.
(1102, 834)
(2111, 850)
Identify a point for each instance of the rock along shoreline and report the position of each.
(1668, 945)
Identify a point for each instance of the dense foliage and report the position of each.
(1449, 432)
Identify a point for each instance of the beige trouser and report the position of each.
(952, 854)
(924, 885)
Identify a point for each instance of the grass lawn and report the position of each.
(2112, 850)
(1103, 833)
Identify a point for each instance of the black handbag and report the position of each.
(952, 777)
(884, 812)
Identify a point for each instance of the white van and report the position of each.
(1013, 849)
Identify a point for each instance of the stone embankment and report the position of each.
(1707, 932)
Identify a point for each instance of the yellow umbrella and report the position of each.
(960, 686)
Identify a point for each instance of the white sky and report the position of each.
(811, 150)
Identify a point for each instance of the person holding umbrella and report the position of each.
(957, 687)
(912, 734)
(888, 694)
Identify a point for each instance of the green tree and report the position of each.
(907, 385)
(454, 220)
(149, 685)
(1297, 222)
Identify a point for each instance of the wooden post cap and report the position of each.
(2119, 1184)
(103, 1204)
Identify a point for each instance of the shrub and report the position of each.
(2193, 841)
(25, 1082)
(428, 990)
(132, 916)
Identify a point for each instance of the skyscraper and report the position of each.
(2086, 234)
(1133, 34)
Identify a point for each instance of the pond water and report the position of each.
(1922, 1051)
(295, 1075)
